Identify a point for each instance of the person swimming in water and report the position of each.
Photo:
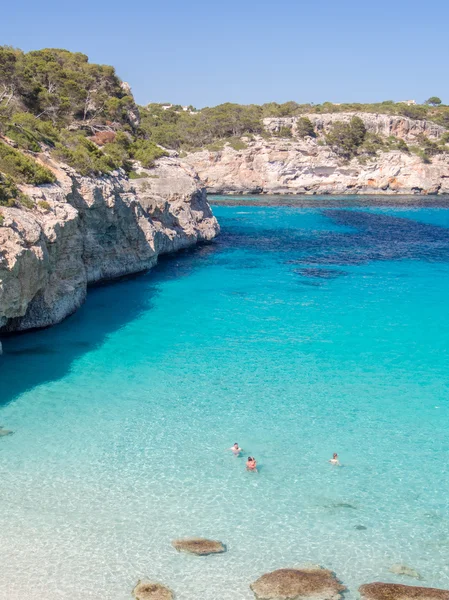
(251, 464)
(236, 450)
(334, 460)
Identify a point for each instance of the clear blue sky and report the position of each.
(205, 53)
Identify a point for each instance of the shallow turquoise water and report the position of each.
(302, 331)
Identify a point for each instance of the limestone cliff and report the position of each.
(294, 166)
(384, 125)
(86, 230)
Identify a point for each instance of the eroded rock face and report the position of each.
(396, 591)
(289, 166)
(96, 229)
(199, 546)
(399, 569)
(384, 125)
(148, 590)
(297, 584)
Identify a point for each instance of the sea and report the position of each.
(309, 326)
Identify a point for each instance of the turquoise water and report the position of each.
(304, 330)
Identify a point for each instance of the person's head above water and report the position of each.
(236, 445)
(335, 455)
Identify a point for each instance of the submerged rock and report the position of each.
(149, 590)
(199, 546)
(360, 528)
(298, 584)
(405, 570)
(4, 431)
(397, 591)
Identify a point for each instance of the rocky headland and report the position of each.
(83, 230)
(272, 164)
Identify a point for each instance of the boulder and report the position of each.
(149, 590)
(396, 591)
(199, 546)
(297, 584)
(399, 569)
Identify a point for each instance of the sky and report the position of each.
(205, 53)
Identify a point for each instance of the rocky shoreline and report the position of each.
(85, 230)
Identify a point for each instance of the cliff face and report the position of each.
(287, 166)
(384, 125)
(91, 230)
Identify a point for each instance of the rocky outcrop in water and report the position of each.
(199, 546)
(287, 166)
(148, 590)
(396, 591)
(86, 230)
(298, 584)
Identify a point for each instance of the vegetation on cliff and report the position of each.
(189, 130)
(56, 101)
(82, 113)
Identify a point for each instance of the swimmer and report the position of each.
(334, 460)
(251, 465)
(236, 450)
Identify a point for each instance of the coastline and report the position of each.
(93, 229)
(311, 200)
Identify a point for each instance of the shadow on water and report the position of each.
(34, 358)
(368, 237)
(37, 357)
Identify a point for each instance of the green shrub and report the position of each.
(2, 219)
(305, 128)
(84, 156)
(30, 132)
(372, 144)
(213, 147)
(8, 191)
(44, 205)
(26, 201)
(135, 175)
(430, 147)
(401, 145)
(346, 138)
(421, 153)
(284, 132)
(23, 168)
(237, 143)
(146, 152)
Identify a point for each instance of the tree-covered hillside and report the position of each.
(55, 101)
(81, 113)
